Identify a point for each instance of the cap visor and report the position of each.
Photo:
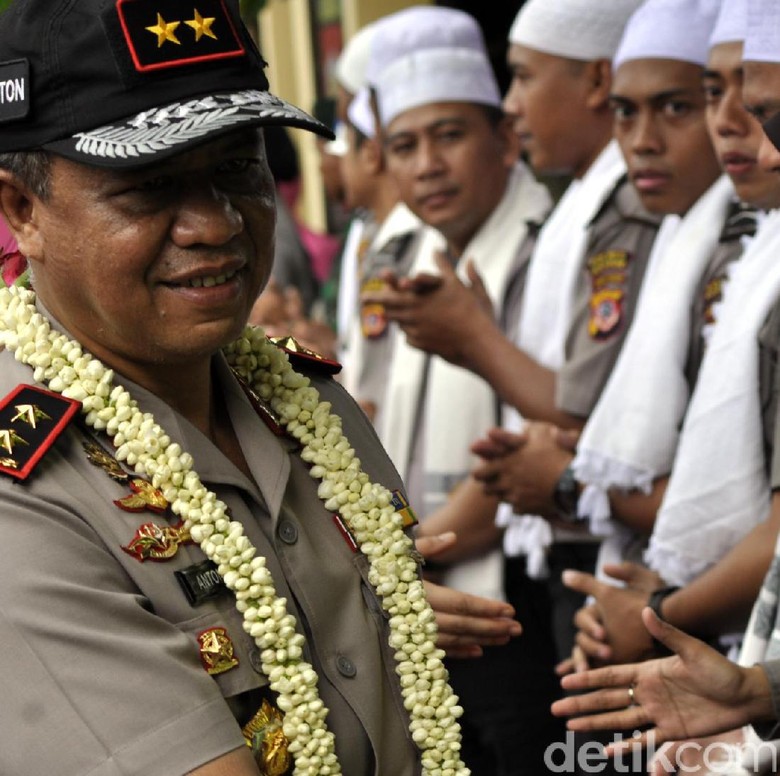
(165, 131)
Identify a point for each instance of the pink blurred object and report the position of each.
(12, 263)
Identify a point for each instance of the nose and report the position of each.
(428, 161)
(513, 103)
(768, 156)
(645, 136)
(206, 216)
(729, 117)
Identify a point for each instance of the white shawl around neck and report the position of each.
(718, 490)
(632, 435)
(459, 407)
(556, 265)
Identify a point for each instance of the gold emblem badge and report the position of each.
(216, 651)
(143, 497)
(264, 734)
(154, 542)
(99, 457)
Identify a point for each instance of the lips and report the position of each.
(648, 180)
(436, 199)
(207, 276)
(736, 163)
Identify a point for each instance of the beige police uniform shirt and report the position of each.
(103, 671)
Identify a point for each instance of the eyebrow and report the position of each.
(432, 127)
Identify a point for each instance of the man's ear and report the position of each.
(373, 155)
(20, 208)
(599, 79)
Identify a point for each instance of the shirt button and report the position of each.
(288, 532)
(346, 667)
(255, 661)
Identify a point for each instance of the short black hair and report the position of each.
(32, 168)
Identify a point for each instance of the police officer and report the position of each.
(200, 574)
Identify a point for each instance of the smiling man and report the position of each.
(200, 576)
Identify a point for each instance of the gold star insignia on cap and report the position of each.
(202, 26)
(30, 414)
(165, 31)
(9, 438)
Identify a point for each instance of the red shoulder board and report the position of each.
(303, 358)
(31, 419)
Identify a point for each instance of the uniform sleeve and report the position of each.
(603, 309)
(94, 681)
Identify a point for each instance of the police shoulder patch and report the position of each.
(31, 419)
(305, 359)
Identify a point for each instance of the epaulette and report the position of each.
(305, 359)
(31, 419)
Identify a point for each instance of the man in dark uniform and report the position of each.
(297, 634)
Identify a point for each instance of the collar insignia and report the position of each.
(303, 358)
(162, 34)
(31, 419)
(401, 505)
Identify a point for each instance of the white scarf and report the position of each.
(632, 434)
(400, 220)
(545, 317)
(459, 407)
(718, 490)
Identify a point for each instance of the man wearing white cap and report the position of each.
(584, 276)
(455, 158)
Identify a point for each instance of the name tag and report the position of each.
(200, 582)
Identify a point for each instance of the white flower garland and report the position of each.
(366, 507)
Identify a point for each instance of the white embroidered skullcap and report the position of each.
(436, 75)
(351, 64)
(575, 29)
(669, 29)
(360, 114)
(762, 40)
(416, 28)
(731, 24)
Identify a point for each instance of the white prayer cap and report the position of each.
(436, 75)
(351, 64)
(669, 29)
(731, 24)
(575, 29)
(762, 40)
(416, 28)
(360, 114)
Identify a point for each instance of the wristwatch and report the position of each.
(566, 495)
(655, 602)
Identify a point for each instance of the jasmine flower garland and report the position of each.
(62, 365)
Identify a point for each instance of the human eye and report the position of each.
(622, 111)
(240, 166)
(713, 91)
(152, 185)
(676, 109)
(402, 147)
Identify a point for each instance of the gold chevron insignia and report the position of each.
(30, 414)
(9, 438)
